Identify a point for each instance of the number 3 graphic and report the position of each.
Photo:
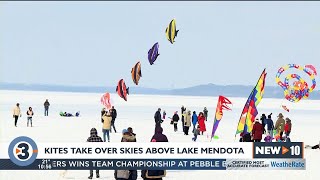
(24, 151)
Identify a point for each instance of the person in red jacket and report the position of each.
(287, 127)
(201, 121)
(257, 131)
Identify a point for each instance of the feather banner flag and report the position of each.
(250, 111)
(223, 103)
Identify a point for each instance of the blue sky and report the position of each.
(97, 43)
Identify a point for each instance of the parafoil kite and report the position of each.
(299, 88)
(171, 31)
(122, 89)
(106, 101)
(222, 105)
(153, 53)
(136, 73)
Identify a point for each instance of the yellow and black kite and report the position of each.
(171, 31)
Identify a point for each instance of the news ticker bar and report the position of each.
(164, 164)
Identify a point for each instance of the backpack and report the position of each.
(123, 174)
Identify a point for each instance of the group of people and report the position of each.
(129, 136)
(187, 119)
(17, 113)
(279, 132)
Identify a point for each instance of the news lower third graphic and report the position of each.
(24, 154)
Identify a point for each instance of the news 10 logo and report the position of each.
(278, 150)
(23, 151)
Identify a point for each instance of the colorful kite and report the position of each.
(250, 111)
(171, 31)
(222, 105)
(153, 53)
(299, 88)
(136, 73)
(106, 101)
(122, 89)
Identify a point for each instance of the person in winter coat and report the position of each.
(257, 131)
(16, 113)
(187, 122)
(113, 113)
(29, 116)
(155, 174)
(126, 174)
(130, 130)
(245, 137)
(183, 115)
(194, 120)
(159, 136)
(196, 132)
(103, 111)
(46, 107)
(94, 138)
(201, 121)
(175, 119)
(287, 127)
(183, 109)
(164, 115)
(205, 112)
(263, 121)
(157, 117)
(280, 125)
(270, 125)
(107, 119)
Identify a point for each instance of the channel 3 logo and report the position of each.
(23, 151)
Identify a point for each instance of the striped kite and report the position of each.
(122, 89)
(136, 73)
(171, 31)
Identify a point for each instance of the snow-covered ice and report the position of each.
(138, 113)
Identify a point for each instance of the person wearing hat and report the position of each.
(257, 131)
(126, 174)
(93, 138)
(280, 125)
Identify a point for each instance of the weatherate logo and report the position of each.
(23, 151)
